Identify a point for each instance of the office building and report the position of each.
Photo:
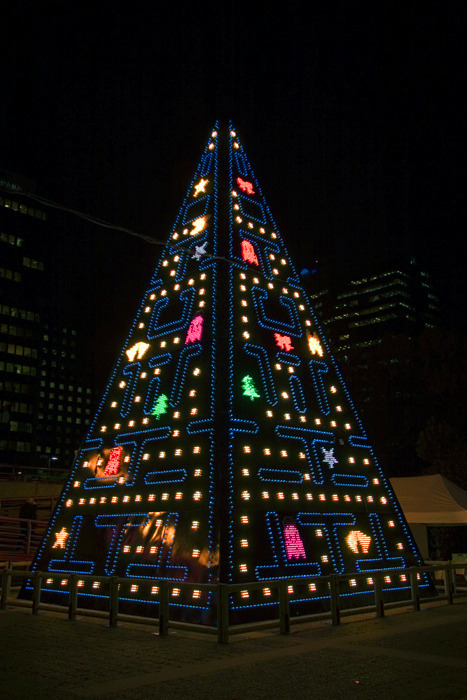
(44, 399)
(365, 310)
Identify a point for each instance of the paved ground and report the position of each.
(406, 655)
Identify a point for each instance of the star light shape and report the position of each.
(329, 457)
(200, 250)
(61, 538)
(200, 187)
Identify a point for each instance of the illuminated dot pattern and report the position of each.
(225, 377)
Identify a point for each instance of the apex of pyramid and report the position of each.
(226, 447)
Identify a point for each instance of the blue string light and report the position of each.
(298, 393)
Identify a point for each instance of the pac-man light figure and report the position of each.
(284, 342)
(137, 351)
(358, 541)
(113, 463)
(60, 539)
(249, 253)
(294, 548)
(314, 345)
(200, 187)
(198, 225)
(245, 186)
(195, 331)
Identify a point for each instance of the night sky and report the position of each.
(352, 116)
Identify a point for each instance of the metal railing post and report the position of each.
(36, 593)
(163, 608)
(379, 603)
(6, 583)
(335, 608)
(222, 613)
(414, 588)
(453, 577)
(73, 602)
(448, 584)
(113, 602)
(284, 608)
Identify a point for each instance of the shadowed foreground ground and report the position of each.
(404, 655)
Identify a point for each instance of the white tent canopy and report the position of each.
(432, 500)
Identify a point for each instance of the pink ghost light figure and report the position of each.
(195, 330)
(293, 544)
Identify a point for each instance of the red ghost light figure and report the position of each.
(113, 463)
(249, 253)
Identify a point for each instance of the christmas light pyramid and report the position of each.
(226, 447)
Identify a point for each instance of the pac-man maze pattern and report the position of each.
(305, 496)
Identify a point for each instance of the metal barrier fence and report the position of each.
(45, 504)
(222, 591)
(19, 535)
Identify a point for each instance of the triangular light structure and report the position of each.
(226, 447)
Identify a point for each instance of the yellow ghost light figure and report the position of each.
(137, 351)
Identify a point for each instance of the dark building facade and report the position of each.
(363, 311)
(44, 399)
(379, 327)
(64, 405)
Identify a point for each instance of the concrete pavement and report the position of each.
(404, 655)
